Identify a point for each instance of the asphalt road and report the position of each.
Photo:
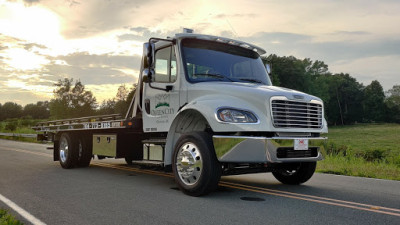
(109, 192)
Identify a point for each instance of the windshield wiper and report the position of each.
(252, 80)
(217, 75)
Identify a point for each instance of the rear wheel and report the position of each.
(295, 173)
(195, 166)
(68, 151)
(84, 146)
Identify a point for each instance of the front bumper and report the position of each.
(243, 149)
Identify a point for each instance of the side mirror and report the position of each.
(148, 50)
(147, 75)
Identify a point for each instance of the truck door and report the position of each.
(160, 106)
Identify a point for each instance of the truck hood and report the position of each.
(208, 97)
(251, 91)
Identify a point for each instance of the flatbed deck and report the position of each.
(112, 121)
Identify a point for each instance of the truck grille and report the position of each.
(294, 114)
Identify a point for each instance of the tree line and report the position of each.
(346, 101)
(71, 99)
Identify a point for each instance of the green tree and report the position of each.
(271, 60)
(392, 103)
(10, 110)
(11, 124)
(290, 72)
(316, 68)
(124, 98)
(374, 106)
(40, 110)
(119, 104)
(344, 105)
(71, 100)
(107, 107)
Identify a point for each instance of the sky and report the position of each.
(100, 41)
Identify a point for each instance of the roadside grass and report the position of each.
(18, 126)
(7, 219)
(352, 166)
(365, 150)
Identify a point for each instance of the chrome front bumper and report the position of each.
(241, 149)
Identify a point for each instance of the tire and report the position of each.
(84, 146)
(295, 173)
(194, 164)
(68, 151)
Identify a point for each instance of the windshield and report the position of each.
(214, 61)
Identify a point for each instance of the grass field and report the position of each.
(367, 150)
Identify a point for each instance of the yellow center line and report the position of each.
(254, 189)
(286, 194)
(304, 197)
(311, 196)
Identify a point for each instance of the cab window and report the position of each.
(165, 66)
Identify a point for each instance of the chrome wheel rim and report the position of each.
(189, 164)
(63, 150)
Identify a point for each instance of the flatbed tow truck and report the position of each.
(204, 107)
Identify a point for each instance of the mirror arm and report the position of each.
(167, 89)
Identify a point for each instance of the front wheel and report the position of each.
(295, 173)
(195, 166)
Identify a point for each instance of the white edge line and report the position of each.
(21, 211)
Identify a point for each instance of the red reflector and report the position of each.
(129, 123)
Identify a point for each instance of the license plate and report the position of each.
(300, 144)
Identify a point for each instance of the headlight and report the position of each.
(236, 116)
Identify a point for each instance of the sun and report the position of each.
(34, 23)
(20, 59)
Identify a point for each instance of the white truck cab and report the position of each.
(206, 107)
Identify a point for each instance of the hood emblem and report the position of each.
(298, 96)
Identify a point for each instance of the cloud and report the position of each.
(366, 60)
(367, 69)
(300, 45)
(100, 41)
(237, 15)
(91, 17)
(143, 34)
(30, 46)
(342, 32)
(31, 1)
(40, 70)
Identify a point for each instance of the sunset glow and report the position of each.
(100, 42)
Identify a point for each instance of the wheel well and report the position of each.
(186, 121)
